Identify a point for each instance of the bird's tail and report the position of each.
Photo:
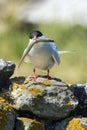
(64, 52)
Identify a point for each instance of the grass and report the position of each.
(73, 66)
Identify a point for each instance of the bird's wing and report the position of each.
(26, 59)
(55, 54)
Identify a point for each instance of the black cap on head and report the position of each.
(35, 33)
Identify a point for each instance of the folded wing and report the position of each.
(55, 54)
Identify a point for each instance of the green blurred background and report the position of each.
(14, 36)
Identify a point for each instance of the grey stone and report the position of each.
(83, 123)
(80, 92)
(6, 70)
(49, 99)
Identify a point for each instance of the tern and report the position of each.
(41, 52)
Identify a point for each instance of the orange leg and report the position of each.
(48, 76)
(34, 75)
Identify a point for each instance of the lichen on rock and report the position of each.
(77, 124)
(44, 98)
(7, 115)
(35, 91)
(28, 124)
(72, 123)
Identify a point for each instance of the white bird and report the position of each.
(42, 55)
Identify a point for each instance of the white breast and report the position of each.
(41, 56)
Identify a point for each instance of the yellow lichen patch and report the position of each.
(5, 108)
(28, 80)
(74, 124)
(69, 103)
(4, 104)
(21, 87)
(35, 91)
(17, 86)
(46, 83)
(19, 93)
(72, 96)
(30, 124)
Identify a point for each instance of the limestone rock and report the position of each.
(28, 124)
(6, 70)
(45, 98)
(7, 115)
(78, 123)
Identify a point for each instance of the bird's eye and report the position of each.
(39, 35)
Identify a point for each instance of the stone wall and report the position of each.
(40, 104)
